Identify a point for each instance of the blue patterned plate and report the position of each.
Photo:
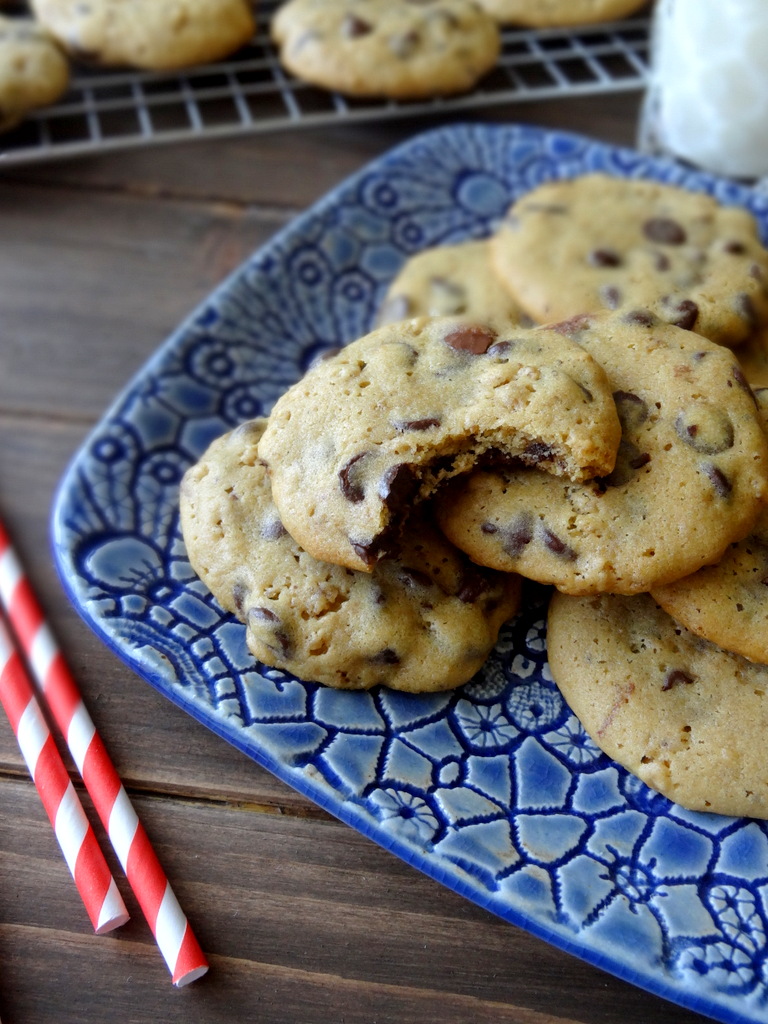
(494, 789)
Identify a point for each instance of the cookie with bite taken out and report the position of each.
(378, 427)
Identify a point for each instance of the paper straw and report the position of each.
(170, 927)
(73, 831)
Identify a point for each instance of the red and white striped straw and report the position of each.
(175, 939)
(76, 837)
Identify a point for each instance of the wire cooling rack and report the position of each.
(250, 93)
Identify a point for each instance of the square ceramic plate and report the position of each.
(493, 790)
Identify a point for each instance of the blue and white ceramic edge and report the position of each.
(494, 789)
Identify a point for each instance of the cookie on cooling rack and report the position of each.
(33, 70)
(376, 48)
(148, 33)
(559, 13)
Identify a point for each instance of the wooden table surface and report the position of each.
(303, 920)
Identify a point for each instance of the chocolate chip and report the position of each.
(707, 431)
(735, 248)
(536, 452)
(262, 614)
(676, 677)
(683, 314)
(640, 317)
(472, 586)
(265, 616)
(573, 325)
(425, 424)
(501, 348)
(369, 552)
(489, 528)
(610, 296)
(632, 410)
(604, 258)
(718, 479)
(397, 485)
(239, 593)
(741, 380)
(352, 488)
(470, 338)
(745, 308)
(496, 458)
(629, 458)
(273, 529)
(661, 262)
(556, 545)
(353, 27)
(518, 534)
(414, 578)
(664, 230)
(284, 644)
(386, 656)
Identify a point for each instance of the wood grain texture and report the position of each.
(304, 920)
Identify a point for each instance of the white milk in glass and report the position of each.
(707, 100)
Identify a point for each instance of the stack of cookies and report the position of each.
(376, 527)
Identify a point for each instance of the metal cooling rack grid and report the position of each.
(250, 93)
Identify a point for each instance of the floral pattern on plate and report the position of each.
(494, 789)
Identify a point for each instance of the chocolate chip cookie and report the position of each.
(33, 70)
(686, 717)
(753, 358)
(380, 425)
(424, 620)
(602, 242)
(559, 13)
(376, 48)
(147, 33)
(690, 478)
(451, 280)
(727, 602)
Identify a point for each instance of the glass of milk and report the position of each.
(707, 98)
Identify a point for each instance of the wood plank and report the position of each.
(80, 317)
(294, 167)
(128, 712)
(302, 921)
